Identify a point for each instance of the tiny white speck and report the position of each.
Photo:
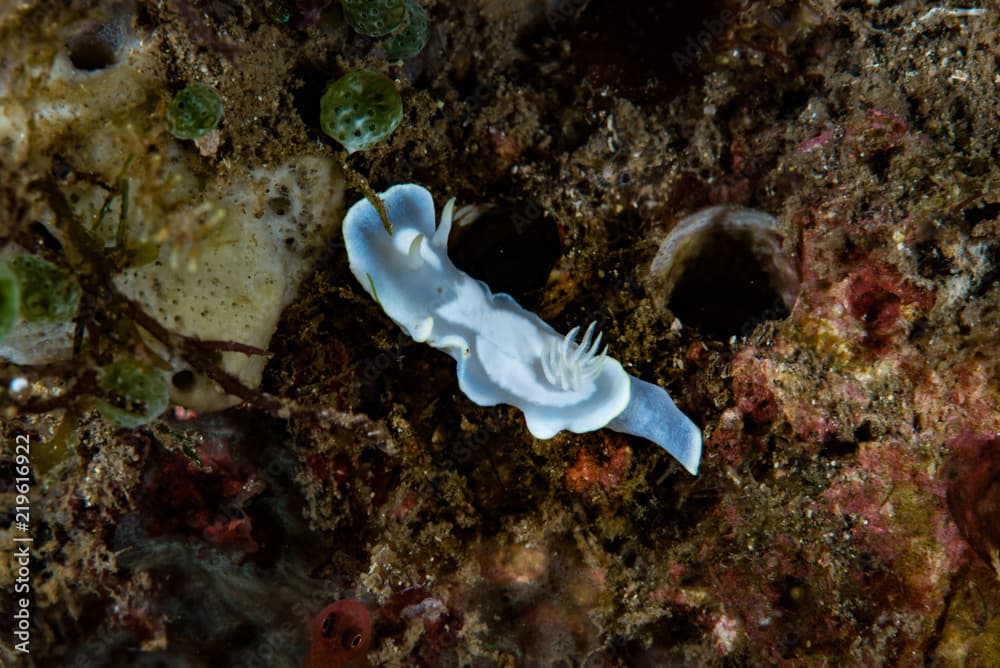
(18, 385)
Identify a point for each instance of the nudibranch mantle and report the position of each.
(505, 354)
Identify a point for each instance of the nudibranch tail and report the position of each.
(651, 414)
(568, 364)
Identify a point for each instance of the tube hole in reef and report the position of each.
(512, 248)
(183, 380)
(96, 45)
(724, 291)
(722, 271)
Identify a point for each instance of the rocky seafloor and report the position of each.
(843, 365)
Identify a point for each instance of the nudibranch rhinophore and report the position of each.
(505, 354)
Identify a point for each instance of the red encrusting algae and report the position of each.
(339, 634)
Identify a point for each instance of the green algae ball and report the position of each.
(136, 393)
(374, 18)
(360, 109)
(194, 111)
(48, 294)
(411, 38)
(10, 300)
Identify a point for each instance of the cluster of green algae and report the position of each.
(111, 370)
(34, 290)
(362, 108)
(404, 24)
(359, 110)
(410, 38)
(37, 291)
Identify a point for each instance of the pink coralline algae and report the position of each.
(973, 477)
(898, 517)
(756, 407)
(589, 474)
(877, 297)
(965, 394)
(752, 391)
(875, 131)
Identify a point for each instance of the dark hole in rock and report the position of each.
(183, 380)
(279, 205)
(307, 94)
(510, 248)
(794, 593)
(614, 545)
(983, 212)
(864, 432)
(837, 447)
(879, 163)
(61, 168)
(931, 261)
(44, 237)
(96, 45)
(724, 291)
(723, 272)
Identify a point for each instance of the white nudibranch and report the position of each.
(505, 354)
